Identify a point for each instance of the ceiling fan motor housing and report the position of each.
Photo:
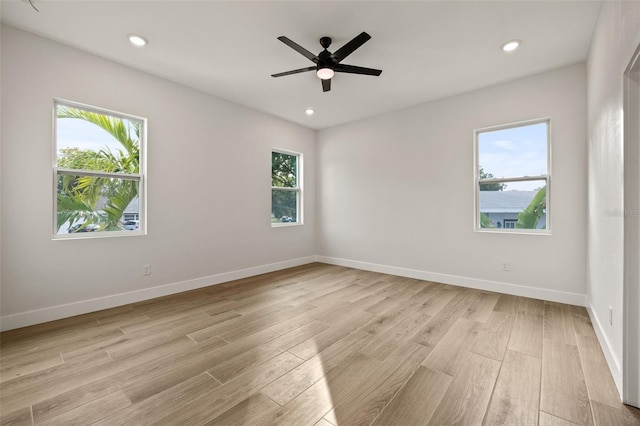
(325, 42)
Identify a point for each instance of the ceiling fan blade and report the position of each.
(326, 85)
(280, 74)
(348, 48)
(301, 50)
(352, 69)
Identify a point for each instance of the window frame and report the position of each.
(545, 177)
(298, 188)
(140, 177)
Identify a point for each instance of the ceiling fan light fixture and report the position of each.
(510, 46)
(325, 73)
(137, 40)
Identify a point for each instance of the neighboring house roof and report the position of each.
(505, 201)
(134, 206)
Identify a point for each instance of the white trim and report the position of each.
(37, 316)
(495, 286)
(610, 355)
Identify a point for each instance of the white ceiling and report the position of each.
(427, 50)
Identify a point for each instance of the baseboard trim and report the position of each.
(612, 360)
(24, 319)
(499, 287)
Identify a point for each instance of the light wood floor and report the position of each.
(314, 345)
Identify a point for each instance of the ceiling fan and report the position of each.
(327, 63)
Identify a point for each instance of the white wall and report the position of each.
(616, 37)
(208, 187)
(395, 192)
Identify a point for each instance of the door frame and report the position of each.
(631, 296)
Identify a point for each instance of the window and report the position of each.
(512, 178)
(286, 188)
(98, 172)
(509, 223)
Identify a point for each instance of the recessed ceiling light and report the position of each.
(510, 46)
(309, 111)
(138, 40)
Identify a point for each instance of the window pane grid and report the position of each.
(60, 171)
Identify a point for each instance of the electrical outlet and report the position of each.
(146, 269)
(506, 266)
(610, 315)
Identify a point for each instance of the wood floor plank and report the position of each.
(481, 309)
(531, 306)
(417, 400)
(141, 343)
(558, 323)
(252, 410)
(341, 294)
(312, 404)
(221, 399)
(508, 304)
(311, 347)
(49, 336)
(526, 335)
(582, 322)
(607, 415)
(301, 378)
(121, 318)
(442, 321)
(235, 366)
(26, 390)
(17, 369)
(546, 419)
(493, 337)
(382, 306)
(515, 399)
(245, 326)
(387, 341)
(450, 354)
(206, 355)
(306, 317)
(563, 390)
(468, 394)
(87, 336)
(367, 402)
(368, 290)
(432, 306)
(367, 302)
(600, 384)
(20, 417)
(163, 403)
(91, 412)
